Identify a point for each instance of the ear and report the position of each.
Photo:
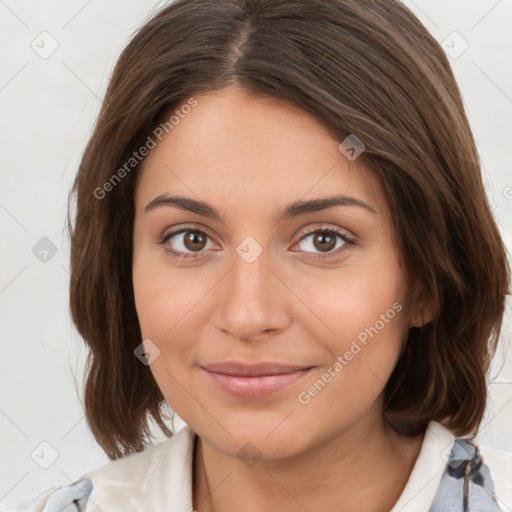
(422, 307)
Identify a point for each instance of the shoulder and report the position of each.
(169, 454)
(475, 473)
(157, 478)
(439, 473)
(499, 462)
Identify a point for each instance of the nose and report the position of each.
(252, 303)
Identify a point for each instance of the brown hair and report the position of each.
(363, 67)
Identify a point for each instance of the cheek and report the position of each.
(165, 300)
(163, 294)
(168, 303)
(173, 305)
(352, 299)
(363, 310)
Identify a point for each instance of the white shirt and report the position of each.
(160, 478)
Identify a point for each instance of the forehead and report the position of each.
(232, 145)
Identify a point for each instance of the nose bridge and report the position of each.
(250, 301)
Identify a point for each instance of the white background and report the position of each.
(47, 110)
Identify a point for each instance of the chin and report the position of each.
(258, 436)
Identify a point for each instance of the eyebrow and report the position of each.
(294, 209)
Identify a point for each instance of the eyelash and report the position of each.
(316, 256)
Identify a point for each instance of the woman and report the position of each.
(281, 233)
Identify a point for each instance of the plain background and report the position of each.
(48, 105)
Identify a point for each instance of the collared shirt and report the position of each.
(449, 475)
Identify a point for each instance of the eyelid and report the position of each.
(323, 228)
(180, 228)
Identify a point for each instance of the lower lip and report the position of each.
(255, 387)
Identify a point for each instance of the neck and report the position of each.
(364, 468)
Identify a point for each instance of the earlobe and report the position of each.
(423, 310)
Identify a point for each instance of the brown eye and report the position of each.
(194, 240)
(324, 241)
(185, 242)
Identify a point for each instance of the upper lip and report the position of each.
(253, 369)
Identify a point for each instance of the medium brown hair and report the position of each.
(363, 67)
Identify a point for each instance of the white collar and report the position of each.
(160, 477)
(428, 470)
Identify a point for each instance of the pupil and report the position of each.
(194, 241)
(326, 241)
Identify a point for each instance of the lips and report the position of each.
(254, 381)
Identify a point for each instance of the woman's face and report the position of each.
(263, 287)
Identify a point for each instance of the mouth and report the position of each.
(254, 381)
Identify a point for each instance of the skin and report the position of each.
(249, 156)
